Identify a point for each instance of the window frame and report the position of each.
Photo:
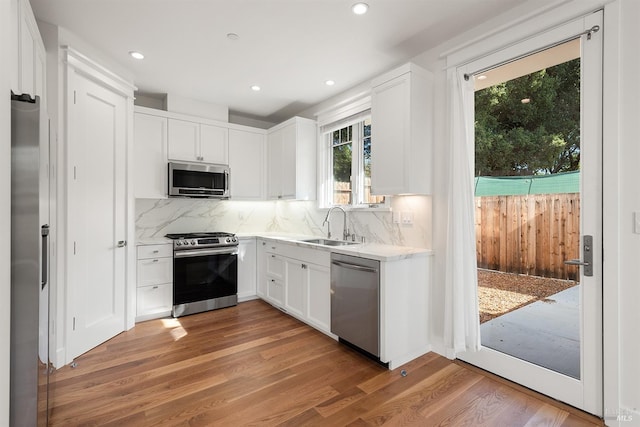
(357, 163)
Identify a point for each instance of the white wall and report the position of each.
(5, 209)
(622, 199)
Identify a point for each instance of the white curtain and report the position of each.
(461, 324)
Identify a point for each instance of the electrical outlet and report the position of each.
(407, 218)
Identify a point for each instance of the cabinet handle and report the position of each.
(155, 287)
(273, 256)
(304, 266)
(272, 280)
(273, 247)
(156, 251)
(155, 260)
(264, 243)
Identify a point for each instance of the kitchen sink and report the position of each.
(328, 242)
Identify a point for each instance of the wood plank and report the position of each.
(254, 365)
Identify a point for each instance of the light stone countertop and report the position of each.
(375, 251)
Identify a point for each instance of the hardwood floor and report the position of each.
(253, 365)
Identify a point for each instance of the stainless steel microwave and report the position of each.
(199, 180)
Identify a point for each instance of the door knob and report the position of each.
(122, 243)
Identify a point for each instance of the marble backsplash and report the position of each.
(155, 218)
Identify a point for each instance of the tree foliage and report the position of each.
(538, 137)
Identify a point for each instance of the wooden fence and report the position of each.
(529, 234)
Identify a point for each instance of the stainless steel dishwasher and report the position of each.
(355, 301)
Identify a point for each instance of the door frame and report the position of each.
(77, 63)
(585, 393)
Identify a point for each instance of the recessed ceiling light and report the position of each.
(329, 82)
(481, 77)
(136, 54)
(360, 8)
(233, 36)
(525, 100)
(255, 88)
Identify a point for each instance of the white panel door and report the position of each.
(184, 140)
(390, 115)
(96, 214)
(150, 156)
(319, 296)
(214, 144)
(289, 163)
(246, 160)
(295, 287)
(274, 165)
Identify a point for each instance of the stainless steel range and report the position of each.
(205, 272)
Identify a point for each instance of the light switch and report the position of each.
(397, 217)
(636, 222)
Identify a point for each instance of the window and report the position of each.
(350, 165)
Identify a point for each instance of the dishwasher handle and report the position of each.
(354, 266)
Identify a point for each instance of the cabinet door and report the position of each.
(274, 168)
(153, 300)
(246, 268)
(288, 159)
(261, 268)
(27, 56)
(275, 292)
(319, 296)
(154, 271)
(150, 156)
(295, 287)
(246, 160)
(214, 144)
(184, 140)
(390, 113)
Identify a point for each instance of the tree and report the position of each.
(541, 136)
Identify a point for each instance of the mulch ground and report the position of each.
(500, 293)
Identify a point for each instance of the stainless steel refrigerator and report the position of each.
(29, 273)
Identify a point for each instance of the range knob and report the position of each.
(234, 239)
(178, 243)
(193, 242)
(228, 240)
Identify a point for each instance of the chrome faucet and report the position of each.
(345, 231)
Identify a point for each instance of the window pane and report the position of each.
(366, 164)
(342, 157)
(335, 137)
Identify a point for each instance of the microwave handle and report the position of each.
(226, 181)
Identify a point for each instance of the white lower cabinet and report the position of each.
(296, 280)
(246, 269)
(154, 296)
(319, 296)
(295, 301)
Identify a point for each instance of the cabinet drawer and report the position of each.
(155, 271)
(154, 299)
(275, 266)
(155, 251)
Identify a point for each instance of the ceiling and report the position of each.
(287, 47)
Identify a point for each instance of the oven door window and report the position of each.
(205, 277)
(196, 179)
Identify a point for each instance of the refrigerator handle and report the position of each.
(45, 261)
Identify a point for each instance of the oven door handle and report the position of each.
(205, 252)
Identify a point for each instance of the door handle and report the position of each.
(44, 232)
(122, 243)
(587, 257)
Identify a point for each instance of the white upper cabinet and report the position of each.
(291, 160)
(214, 144)
(246, 161)
(196, 142)
(150, 155)
(29, 57)
(401, 109)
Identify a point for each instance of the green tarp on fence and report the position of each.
(568, 182)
